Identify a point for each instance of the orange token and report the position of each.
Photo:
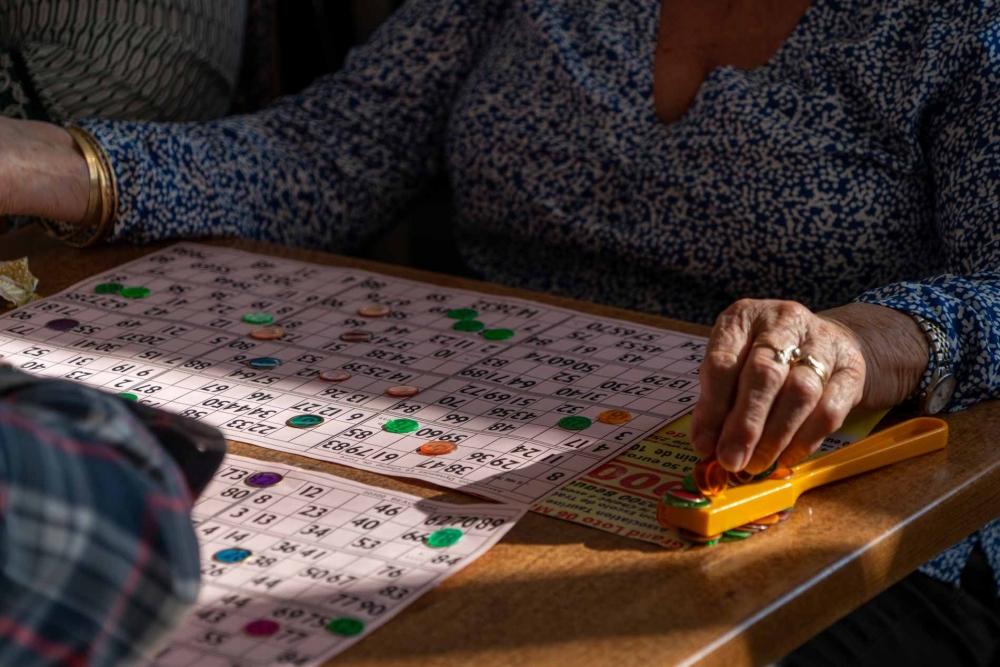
(374, 310)
(710, 477)
(437, 447)
(661, 515)
(768, 520)
(267, 333)
(402, 391)
(615, 417)
(781, 472)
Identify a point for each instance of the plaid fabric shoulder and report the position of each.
(98, 558)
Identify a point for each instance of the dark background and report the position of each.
(310, 38)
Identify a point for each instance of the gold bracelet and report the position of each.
(102, 204)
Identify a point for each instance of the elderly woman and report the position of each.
(832, 167)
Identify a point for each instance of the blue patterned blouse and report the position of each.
(862, 159)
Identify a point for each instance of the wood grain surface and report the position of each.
(557, 593)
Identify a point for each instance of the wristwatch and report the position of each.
(938, 384)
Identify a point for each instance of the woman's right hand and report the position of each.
(41, 172)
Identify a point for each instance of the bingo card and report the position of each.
(500, 397)
(297, 566)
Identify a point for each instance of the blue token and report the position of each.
(264, 363)
(232, 555)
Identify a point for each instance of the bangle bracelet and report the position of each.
(102, 204)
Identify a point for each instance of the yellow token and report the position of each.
(615, 417)
(267, 333)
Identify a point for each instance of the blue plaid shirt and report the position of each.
(98, 559)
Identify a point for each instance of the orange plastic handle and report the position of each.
(743, 504)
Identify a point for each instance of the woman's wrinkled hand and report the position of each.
(757, 408)
(41, 171)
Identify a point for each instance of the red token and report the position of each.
(261, 628)
(402, 391)
(336, 375)
(686, 496)
(358, 336)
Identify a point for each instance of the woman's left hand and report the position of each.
(758, 406)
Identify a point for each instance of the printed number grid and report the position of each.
(320, 549)
(185, 348)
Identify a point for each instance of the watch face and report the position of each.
(940, 396)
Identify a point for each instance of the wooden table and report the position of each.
(557, 593)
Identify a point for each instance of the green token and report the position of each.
(766, 473)
(304, 421)
(109, 288)
(575, 423)
(463, 314)
(135, 292)
(346, 627)
(401, 426)
(446, 537)
(258, 318)
(735, 535)
(673, 502)
(468, 325)
(498, 334)
(689, 484)
(128, 397)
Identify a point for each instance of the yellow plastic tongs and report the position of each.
(739, 505)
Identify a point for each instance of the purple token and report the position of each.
(62, 325)
(262, 479)
(261, 628)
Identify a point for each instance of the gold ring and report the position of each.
(785, 356)
(811, 362)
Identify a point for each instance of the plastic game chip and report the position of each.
(356, 336)
(741, 477)
(735, 535)
(109, 288)
(267, 333)
(64, 324)
(127, 396)
(260, 480)
(437, 448)
(444, 538)
(402, 391)
(258, 318)
(374, 310)
(264, 363)
(498, 334)
(401, 426)
(710, 477)
(135, 292)
(17, 284)
(615, 417)
(232, 555)
(575, 423)
(304, 421)
(462, 314)
(469, 326)
(681, 498)
(695, 538)
(261, 628)
(768, 520)
(345, 627)
(335, 375)
(781, 472)
(689, 485)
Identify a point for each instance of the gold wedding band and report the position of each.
(811, 362)
(785, 356)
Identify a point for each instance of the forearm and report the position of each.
(894, 348)
(42, 173)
